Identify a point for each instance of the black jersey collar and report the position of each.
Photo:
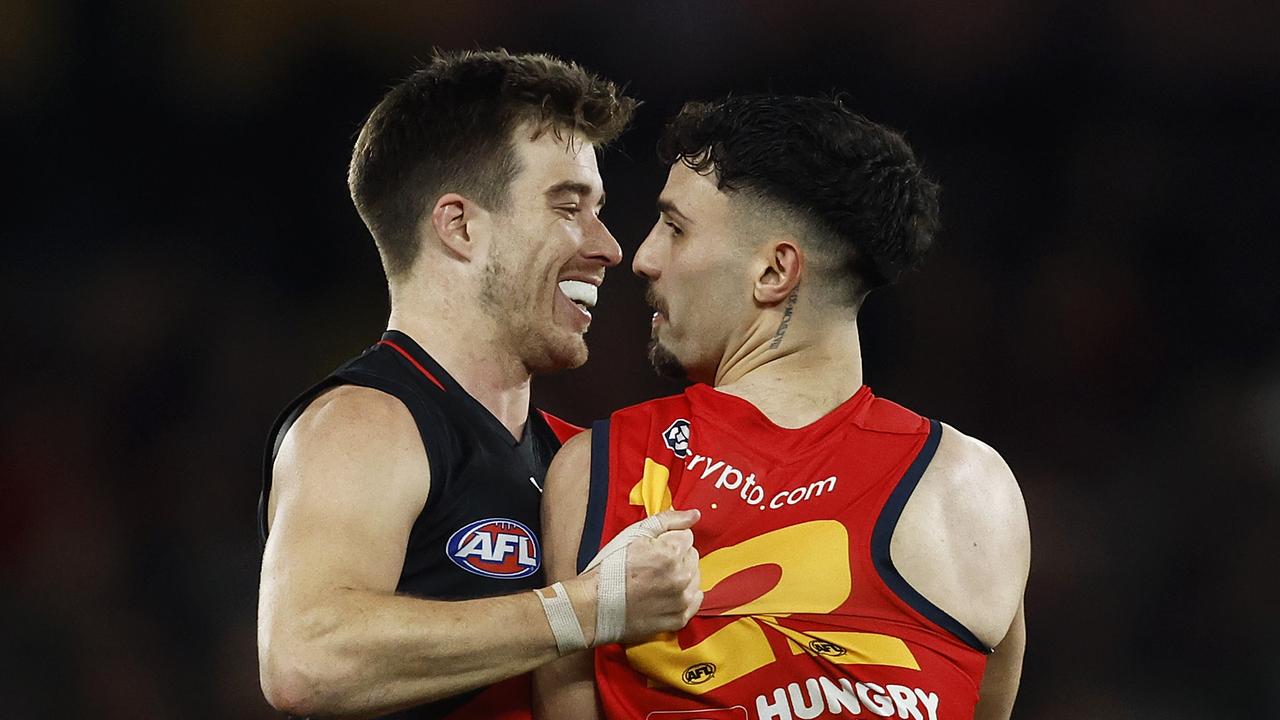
(434, 372)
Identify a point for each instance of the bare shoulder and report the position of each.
(976, 483)
(574, 456)
(348, 441)
(343, 413)
(963, 539)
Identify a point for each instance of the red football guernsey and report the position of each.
(805, 615)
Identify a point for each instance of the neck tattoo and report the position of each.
(786, 318)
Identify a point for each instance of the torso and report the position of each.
(805, 614)
(478, 533)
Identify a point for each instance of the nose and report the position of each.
(644, 264)
(601, 245)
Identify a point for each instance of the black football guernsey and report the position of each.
(479, 533)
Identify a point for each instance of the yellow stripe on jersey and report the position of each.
(849, 648)
(813, 560)
(654, 490)
(735, 650)
(810, 582)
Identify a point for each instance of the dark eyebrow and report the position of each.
(668, 207)
(573, 186)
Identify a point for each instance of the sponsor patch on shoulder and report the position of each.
(496, 548)
(676, 438)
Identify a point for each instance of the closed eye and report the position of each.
(675, 229)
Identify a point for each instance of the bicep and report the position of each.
(350, 478)
(564, 506)
(566, 687)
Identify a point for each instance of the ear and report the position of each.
(780, 271)
(454, 221)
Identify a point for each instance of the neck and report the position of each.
(808, 374)
(468, 346)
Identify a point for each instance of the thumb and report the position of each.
(677, 519)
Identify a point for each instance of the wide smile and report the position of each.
(575, 299)
(584, 294)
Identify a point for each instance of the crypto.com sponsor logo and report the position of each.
(676, 438)
(751, 489)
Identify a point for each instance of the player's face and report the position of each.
(549, 252)
(699, 282)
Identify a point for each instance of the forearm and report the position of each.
(360, 653)
(566, 688)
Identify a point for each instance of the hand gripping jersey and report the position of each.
(478, 533)
(804, 614)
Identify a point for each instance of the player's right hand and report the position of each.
(663, 580)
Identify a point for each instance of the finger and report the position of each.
(680, 541)
(678, 519)
(693, 604)
(695, 574)
(691, 558)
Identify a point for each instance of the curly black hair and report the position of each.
(855, 181)
(448, 128)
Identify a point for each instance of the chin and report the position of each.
(559, 354)
(665, 362)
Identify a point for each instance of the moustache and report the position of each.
(654, 301)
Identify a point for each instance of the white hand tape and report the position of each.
(564, 622)
(611, 595)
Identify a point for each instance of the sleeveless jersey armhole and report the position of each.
(597, 494)
(562, 429)
(882, 535)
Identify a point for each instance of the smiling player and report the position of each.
(402, 492)
(857, 559)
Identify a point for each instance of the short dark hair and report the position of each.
(856, 182)
(448, 128)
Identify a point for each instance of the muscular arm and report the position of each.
(963, 542)
(333, 637)
(566, 688)
(1004, 671)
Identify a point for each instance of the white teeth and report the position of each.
(580, 292)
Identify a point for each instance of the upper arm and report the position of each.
(350, 478)
(566, 687)
(963, 541)
(1004, 672)
(564, 506)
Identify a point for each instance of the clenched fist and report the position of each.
(646, 580)
(662, 578)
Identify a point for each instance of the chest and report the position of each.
(480, 533)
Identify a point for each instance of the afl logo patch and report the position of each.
(822, 647)
(676, 438)
(496, 548)
(700, 673)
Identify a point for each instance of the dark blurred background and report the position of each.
(181, 258)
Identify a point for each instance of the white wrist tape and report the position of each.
(564, 623)
(611, 596)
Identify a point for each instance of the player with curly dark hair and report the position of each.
(400, 502)
(855, 555)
